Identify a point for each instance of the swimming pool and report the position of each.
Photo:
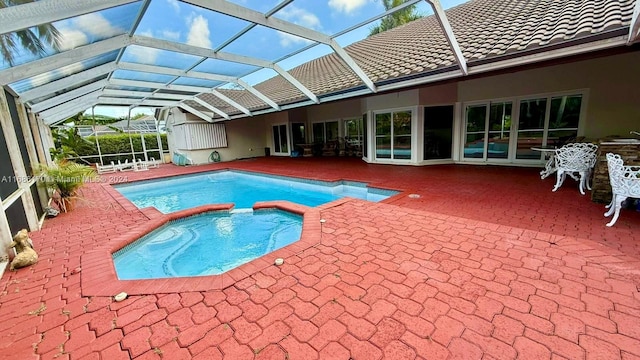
(207, 244)
(241, 188)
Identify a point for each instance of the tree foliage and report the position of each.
(398, 18)
(36, 40)
(85, 119)
(120, 144)
(68, 143)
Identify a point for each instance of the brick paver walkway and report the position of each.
(487, 264)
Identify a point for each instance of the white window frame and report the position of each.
(273, 140)
(488, 103)
(414, 137)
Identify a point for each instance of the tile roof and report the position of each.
(485, 30)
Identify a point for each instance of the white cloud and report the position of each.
(71, 39)
(175, 5)
(72, 69)
(97, 25)
(79, 31)
(199, 32)
(346, 6)
(301, 17)
(170, 35)
(147, 33)
(42, 79)
(287, 40)
(143, 54)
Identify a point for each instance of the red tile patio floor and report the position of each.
(487, 263)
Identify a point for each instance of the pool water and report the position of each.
(207, 244)
(241, 188)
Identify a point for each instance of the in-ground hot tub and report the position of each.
(209, 243)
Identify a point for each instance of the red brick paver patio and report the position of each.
(487, 263)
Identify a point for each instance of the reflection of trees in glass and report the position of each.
(383, 124)
(35, 40)
(332, 130)
(353, 128)
(565, 112)
(402, 123)
(398, 18)
(532, 114)
(318, 132)
(476, 118)
(500, 119)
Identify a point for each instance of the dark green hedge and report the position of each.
(119, 143)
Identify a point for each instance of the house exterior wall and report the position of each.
(612, 103)
(391, 100)
(174, 117)
(335, 110)
(442, 94)
(610, 97)
(244, 137)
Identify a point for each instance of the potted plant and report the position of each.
(63, 179)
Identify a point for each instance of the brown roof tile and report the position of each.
(484, 29)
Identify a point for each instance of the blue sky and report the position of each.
(199, 27)
(177, 21)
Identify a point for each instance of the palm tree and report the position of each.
(36, 40)
(398, 18)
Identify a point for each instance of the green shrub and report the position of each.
(119, 143)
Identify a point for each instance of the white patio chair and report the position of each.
(575, 158)
(126, 166)
(140, 165)
(625, 183)
(153, 163)
(106, 168)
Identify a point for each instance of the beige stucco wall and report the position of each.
(613, 100)
(443, 94)
(393, 100)
(245, 138)
(334, 110)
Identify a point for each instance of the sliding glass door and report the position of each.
(393, 135)
(280, 139)
(488, 128)
(325, 131)
(508, 130)
(548, 121)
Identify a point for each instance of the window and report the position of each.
(488, 129)
(549, 121)
(325, 131)
(564, 119)
(531, 127)
(393, 135)
(353, 136)
(507, 130)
